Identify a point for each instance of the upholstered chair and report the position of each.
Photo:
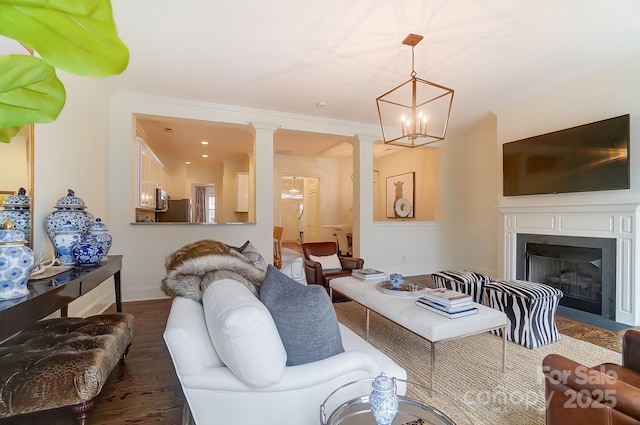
(322, 263)
(604, 394)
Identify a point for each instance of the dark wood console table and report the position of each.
(55, 293)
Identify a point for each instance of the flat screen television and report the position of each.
(585, 158)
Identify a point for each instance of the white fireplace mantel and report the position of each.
(616, 221)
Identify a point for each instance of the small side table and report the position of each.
(357, 411)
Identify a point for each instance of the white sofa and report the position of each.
(292, 395)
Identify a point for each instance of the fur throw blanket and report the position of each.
(199, 264)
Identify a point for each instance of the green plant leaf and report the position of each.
(30, 91)
(79, 37)
(6, 134)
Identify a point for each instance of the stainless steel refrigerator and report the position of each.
(178, 211)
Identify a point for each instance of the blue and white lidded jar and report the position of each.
(16, 261)
(383, 399)
(65, 239)
(17, 208)
(71, 209)
(395, 280)
(87, 253)
(98, 232)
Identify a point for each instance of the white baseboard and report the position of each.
(142, 294)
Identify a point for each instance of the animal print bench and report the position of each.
(530, 308)
(465, 281)
(61, 362)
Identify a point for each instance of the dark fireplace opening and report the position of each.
(576, 271)
(582, 268)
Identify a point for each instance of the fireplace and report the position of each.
(583, 268)
(610, 227)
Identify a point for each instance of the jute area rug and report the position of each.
(468, 374)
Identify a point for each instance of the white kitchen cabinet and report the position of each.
(150, 174)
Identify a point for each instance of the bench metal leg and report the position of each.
(504, 349)
(433, 364)
(367, 325)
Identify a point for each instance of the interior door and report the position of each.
(311, 202)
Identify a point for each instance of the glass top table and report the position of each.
(432, 408)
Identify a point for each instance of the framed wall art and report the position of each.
(400, 196)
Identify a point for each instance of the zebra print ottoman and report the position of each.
(530, 308)
(470, 283)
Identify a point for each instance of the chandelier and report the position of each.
(416, 112)
(294, 190)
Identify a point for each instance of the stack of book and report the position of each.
(368, 274)
(447, 303)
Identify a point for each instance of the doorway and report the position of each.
(300, 206)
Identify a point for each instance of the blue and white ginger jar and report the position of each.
(99, 233)
(71, 209)
(16, 261)
(383, 400)
(17, 208)
(87, 253)
(65, 239)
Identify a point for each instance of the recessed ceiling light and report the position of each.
(321, 104)
(188, 162)
(204, 142)
(205, 156)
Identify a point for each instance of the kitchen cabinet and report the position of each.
(150, 174)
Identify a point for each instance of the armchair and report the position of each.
(604, 394)
(326, 252)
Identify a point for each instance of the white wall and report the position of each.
(71, 153)
(471, 175)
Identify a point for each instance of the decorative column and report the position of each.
(263, 172)
(362, 191)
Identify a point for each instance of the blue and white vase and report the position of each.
(383, 400)
(87, 253)
(65, 239)
(98, 232)
(70, 209)
(16, 261)
(17, 208)
(395, 281)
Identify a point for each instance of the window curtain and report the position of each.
(201, 206)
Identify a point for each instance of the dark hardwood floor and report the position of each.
(145, 390)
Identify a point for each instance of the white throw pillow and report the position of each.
(295, 270)
(328, 262)
(244, 333)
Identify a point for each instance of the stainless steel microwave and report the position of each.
(162, 200)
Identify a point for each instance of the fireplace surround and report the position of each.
(613, 222)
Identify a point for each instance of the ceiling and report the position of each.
(291, 56)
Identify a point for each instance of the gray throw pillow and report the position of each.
(304, 317)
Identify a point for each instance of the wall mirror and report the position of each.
(16, 159)
(191, 171)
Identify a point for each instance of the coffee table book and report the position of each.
(448, 309)
(368, 274)
(447, 297)
(468, 312)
